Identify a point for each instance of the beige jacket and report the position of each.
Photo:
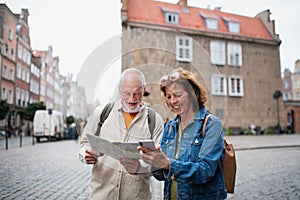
(109, 178)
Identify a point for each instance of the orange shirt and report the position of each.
(128, 117)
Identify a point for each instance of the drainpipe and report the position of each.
(128, 46)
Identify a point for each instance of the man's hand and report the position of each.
(91, 156)
(132, 166)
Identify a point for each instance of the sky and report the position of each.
(75, 29)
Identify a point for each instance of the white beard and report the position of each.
(126, 108)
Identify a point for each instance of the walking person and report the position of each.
(187, 162)
(125, 179)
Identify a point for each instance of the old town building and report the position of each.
(235, 57)
(291, 97)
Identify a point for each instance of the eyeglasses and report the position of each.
(129, 94)
(172, 77)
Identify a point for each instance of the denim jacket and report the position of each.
(197, 171)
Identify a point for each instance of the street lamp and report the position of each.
(277, 94)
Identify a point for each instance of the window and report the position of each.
(184, 49)
(12, 53)
(296, 84)
(19, 71)
(11, 74)
(4, 71)
(24, 55)
(27, 76)
(234, 53)
(6, 50)
(171, 16)
(10, 97)
(10, 34)
(24, 74)
(217, 52)
(233, 25)
(211, 21)
(18, 100)
(218, 84)
(3, 93)
(297, 96)
(235, 85)
(20, 50)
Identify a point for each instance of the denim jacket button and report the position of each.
(172, 177)
(196, 141)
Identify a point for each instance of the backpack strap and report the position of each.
(204, 125)
(104, 114)
(151, 120)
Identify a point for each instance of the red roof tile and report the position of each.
(150, 12)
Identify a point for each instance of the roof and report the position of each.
(152, 12)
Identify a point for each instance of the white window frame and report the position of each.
(234, 54)
(3, 93)
(233, 27)
(11, 75)
(17, 95)
(233, 88)
(184, 49)
(4, 74)
(211, 23)
(296, 83)
(20, 51)
(10, 97)
(10, 34)
(19, 71)
(171, 17)
(218, 84)
(217, 52)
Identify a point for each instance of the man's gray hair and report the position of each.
(131, 72)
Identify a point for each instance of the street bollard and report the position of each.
(21, 139)
(32, 139)
(6, 140)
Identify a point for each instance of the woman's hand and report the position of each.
(155, 158)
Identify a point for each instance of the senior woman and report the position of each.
(187, 162)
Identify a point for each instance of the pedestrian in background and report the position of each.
(126, 179)
(188, 163)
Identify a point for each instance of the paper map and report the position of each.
(116, 150)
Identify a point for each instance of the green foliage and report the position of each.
(228, 131)
(4, 108)
(269, 131)
(248, 131)
(70, 120)
(29, 111)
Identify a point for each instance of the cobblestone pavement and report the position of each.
(53, 171)
(268, 174)
(44, 171)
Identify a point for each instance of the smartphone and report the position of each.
(148, 143)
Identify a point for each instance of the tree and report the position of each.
(29, 111)
(70, 120)
(4, 108)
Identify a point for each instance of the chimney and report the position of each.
(218, 8)
(182, 3)
(124, 10)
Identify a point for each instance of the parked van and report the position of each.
(48, 124)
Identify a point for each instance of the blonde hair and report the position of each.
(192, 86)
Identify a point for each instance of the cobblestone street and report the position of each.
(44, 171)
(53, 170)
